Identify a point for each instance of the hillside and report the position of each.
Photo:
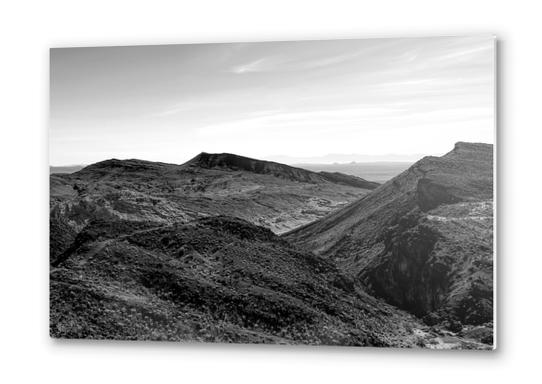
(423, 241)
(216, 279)
(273, 195)
(146, 250)
(235, 162)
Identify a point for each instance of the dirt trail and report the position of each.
(100, 245)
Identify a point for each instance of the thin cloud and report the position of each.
(259, 65)
(318, 97)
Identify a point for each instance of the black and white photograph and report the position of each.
(318, 192)
(270, 192)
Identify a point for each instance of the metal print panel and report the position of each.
(333, 192)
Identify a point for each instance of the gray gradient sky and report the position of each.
(267, 100)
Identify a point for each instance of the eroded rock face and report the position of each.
(438, 264)
(406, 273)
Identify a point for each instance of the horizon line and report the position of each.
(300, 158)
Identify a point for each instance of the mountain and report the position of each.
(423, 241)
(153, 251)
(273, 195)
(216, 279)
(235, 162)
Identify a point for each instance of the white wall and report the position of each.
(28, 29)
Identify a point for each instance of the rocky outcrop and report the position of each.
(405, 272)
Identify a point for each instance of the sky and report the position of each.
(380, 98)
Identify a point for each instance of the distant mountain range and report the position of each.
(376, 171)
(146, 250)
(295, 161)
(341, 158)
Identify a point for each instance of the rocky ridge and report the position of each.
(423, 241)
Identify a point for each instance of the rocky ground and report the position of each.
(156, 251)
(216, 279)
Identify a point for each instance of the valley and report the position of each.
(226, 248)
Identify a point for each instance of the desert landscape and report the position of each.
(225, 248)
(319, 192)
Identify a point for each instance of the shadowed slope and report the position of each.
(215, 279)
